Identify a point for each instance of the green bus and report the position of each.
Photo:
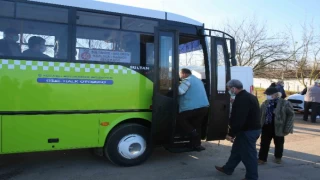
(96, 75)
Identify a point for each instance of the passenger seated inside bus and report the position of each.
(36, 48)
(9, 45)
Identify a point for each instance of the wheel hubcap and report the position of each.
(132, 146)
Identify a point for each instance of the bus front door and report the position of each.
(217, 127)
(165, 90)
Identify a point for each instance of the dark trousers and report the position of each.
(190, 122)
(314, 110)
(244, 149)
(268, 133)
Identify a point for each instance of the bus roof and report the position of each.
(117, 8)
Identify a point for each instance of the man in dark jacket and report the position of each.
(37, 47)
(280, 87)
(245, 129)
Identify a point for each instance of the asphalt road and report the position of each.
(301, 161)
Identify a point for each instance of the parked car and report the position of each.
(297, 101)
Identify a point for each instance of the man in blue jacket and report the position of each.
(193, 107)
(245, 129)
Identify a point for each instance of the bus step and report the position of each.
(181, 138)
(179, 144)
(179, 148)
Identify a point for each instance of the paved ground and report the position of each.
(301, 161)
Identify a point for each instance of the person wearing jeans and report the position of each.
(245, 129)
(277, 117)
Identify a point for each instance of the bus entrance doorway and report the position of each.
(173, 52)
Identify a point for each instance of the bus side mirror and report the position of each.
(233, 52)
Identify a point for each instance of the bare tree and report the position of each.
(256, 47)
(306, 55)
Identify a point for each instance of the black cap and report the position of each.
(271, 90)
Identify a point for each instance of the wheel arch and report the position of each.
(143, 119)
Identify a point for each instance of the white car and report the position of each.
(297, 101)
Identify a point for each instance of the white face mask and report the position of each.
(268, 97)
(232, 94)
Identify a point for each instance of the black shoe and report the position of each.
(305, 119)
(220, 169)
(313, 121)
(199, 148)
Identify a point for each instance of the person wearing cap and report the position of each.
(277, 116)
(311, 101)
(9, 45)
(273, 84)
(245, 129)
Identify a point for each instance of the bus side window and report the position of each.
(99, 38)
(138, 24)
(50, 33)
(35, 39)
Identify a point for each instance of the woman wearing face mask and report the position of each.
(36, 48)
(277, 121)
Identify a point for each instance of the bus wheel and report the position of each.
(128, 145)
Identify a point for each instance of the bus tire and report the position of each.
(128, 145)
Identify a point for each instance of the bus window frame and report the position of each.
(80, 24)
(39, 5)
(153, 21)
(14, 9)
(72, 24)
